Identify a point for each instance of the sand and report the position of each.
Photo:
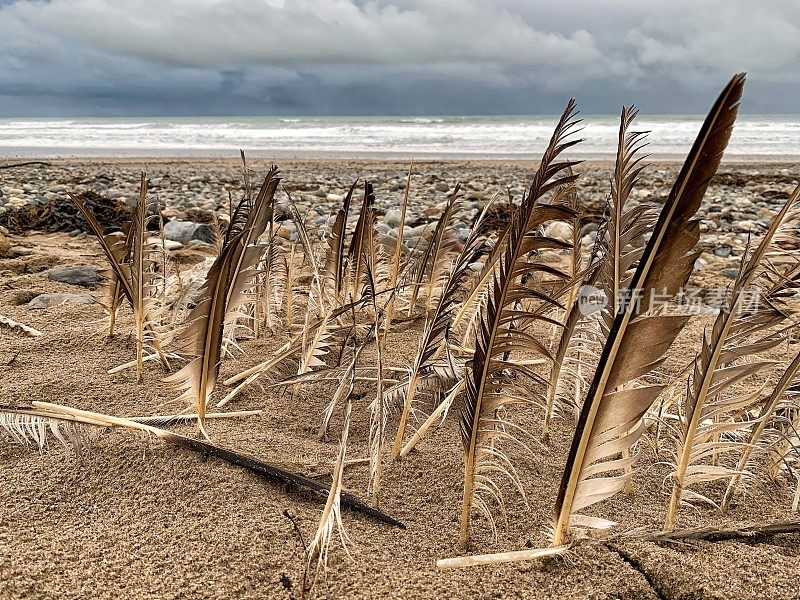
(133, 517)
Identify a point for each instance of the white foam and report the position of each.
(488, 137)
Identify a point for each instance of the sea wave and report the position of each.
(487, 137)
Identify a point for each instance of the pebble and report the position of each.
(723, 251)
(82, 275)
(730, 273)
(284, 232)
(392, 217)
(441, 186)
(700, 264)
(5, 246)
(559, 230)
(44, 301)
(186, 231)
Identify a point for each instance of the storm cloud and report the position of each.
(241, 57)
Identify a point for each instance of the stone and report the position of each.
(412, 232)
(442, 186)
(172, 245)
(730, 273)
(723, 251)
(392, 217)
(334, 198)
(559, 231)
(44, 301)
(700, 263)
(284, 232)
(462, 233)
(81, 275)
(5, 246)
(186, 231)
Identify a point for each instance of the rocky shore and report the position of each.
(739, 203)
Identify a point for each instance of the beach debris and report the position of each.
(59, 214)
(36, 423)
(15, 326)
(44, 301)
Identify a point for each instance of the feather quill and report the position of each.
(610, 420)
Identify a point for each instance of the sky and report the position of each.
(392, 57)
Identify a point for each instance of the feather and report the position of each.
(222, 295)
(120, 261)
(487, 392)
(611, 419)
(334, 270)
(430, 260)
(712, 375)
(394, 271)
(436, 328)
(331, 517)
(34, 422)
(357, 251)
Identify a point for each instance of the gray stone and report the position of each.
(44, 301)
(412, 232)
(186, 231)
(700, 264)
(724, 251)
(392, 217)
(172, 245)
(82, 275)
(442, 186)
(730, 273)
(462, 233)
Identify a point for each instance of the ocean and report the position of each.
(767, 138)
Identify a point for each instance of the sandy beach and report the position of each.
(133, 517)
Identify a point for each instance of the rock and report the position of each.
(5, 246)
(44, 301)
(172, 245)
(413, 232)
(392, 217)
(559, 231)
(284, 232)
(746, 225)
(723, 251)
(387, 241)
(441, 186)
(700, 264)
(82, 275)
(334, 198)
(200, 244)
(186, 231)
(730, 273)
(462, 233)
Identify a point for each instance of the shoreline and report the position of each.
(173, 155)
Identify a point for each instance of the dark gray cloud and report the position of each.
(113, 57)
